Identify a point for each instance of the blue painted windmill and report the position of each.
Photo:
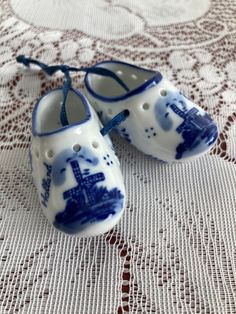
(87, 203)
(83, 192)
(189, 118)
(193, 129)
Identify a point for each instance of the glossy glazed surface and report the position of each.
(75, 169)
(162, 123)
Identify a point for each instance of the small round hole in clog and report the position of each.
(95, 144)
(119, 72)
(76, 148)
(49, 154)
(134, 77)
(146, 106)
(163, 92)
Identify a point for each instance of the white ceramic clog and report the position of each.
(75, 170)
(162, 122)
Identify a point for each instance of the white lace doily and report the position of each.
(175, 247)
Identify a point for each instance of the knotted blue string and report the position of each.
(50, 70)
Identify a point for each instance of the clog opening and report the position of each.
(47, 115)
(108, 87)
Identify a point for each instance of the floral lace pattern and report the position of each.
(173, 252)
(123, 18)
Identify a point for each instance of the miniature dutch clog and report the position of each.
(162, 122)
(74, 167)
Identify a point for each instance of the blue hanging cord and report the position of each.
(50, 70)
(114, 122)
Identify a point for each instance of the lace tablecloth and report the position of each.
(174, 250)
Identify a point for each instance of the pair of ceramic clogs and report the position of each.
(74, 166)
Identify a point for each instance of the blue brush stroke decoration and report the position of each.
(87, 203)
(162, 115)
(197, 129)
(58, 170)
(124, 133)
(108, 160)
(46, 184)
(150, 132)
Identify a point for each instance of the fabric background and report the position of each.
(174, 250)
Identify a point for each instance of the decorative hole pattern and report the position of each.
(150, 132)
(108, 160)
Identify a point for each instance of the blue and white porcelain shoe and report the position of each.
(162, 122)
(75, 169)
